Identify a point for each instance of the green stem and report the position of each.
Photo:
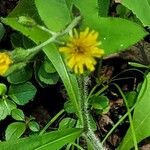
(53, 38)
(92, 91)
(89, 144)
(39, 47)
(124, 71)
(101, 90)
(129, 115)
(46, 30)
(87, 126)
(82, 99)
(78, 146)
(116, 125)
(51, 121)
(68, 146)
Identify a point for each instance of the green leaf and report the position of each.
(47, 78)
(28, 31)
(141, 117)
(91, 8)
(141, 8)
(103, 7)
(69, 107)
(92, 123)
(10, 104)
(27, 43)
(18, 114)
(67, 123)
(53, 54)
(2, 31)
(15, 67)
(131, 98)
(25, 8)
(15, 130)
(54, 13)
(5, 108)
(138, 65)
(20, 55)
(48, 66)
(123, 11)
(99, 102)
(34, 126)
(50, 141)
(22, 93)
(3, 89)
(69, 4)
(23, 41)
(15, 37)
(68, 79)
(114, 33)
(20, 76)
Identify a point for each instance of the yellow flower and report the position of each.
(81, 51)
(5, 62)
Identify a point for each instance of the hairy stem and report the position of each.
(87, 127)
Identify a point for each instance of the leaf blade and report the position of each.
(141, 8)
(115, 33)
(52, 140)
(15, 130)
(47, 9)
(38, 36)
(141, 117)
(22, 93)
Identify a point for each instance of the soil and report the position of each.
(6, 6)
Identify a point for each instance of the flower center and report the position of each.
(79, 49)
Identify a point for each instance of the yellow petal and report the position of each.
(81, 50)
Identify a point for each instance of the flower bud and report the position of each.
(5, 62)
(27, 21)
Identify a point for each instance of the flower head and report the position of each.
(5, 62)
(81, 51)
